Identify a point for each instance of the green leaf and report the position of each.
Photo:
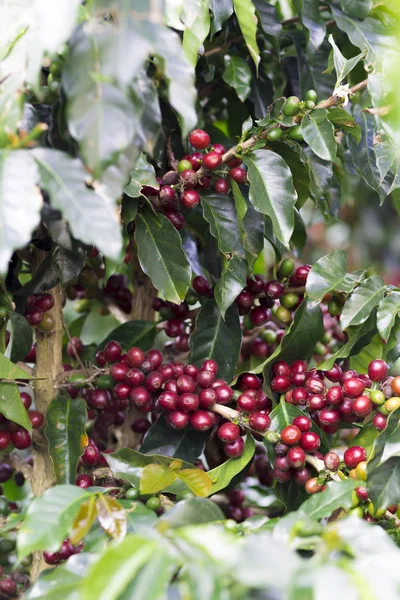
(356, 8)
(221, 10)
(91, 216)
(21, 337)
(383, 483)
(64, 582)
(186, 444)
(193, 511)
(329, 274)
(292, 155)
(366, 437)
(21, 202)
(269, 20)
(198, 481)
(232, 282)
(220, 212)
(387, 443)
(312, 20)
(387, 312)
(142, 174)
(155, 478)
(66, 434)
(338, 494)
(214, 337)
(342, 65)
(341, 118)
(155, 575)
(245, 13)
(8, 370)
(96, 326)
(11, 405)
(161, 255)
(271, 191)
(222, 475)
(238, 75)
(196, 17)
(319, 134)
(49, 518)
(132, 333)
(363, 299)
(117, 567)
(357, 336)
(373, 350)
(250, 224)
(320, 172)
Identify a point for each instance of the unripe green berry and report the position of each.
(309, 105)
(289, 300)
(334, 308)
(184, 165)
(286, 268)
(292, 106)
(377, 397)
(269, 335)
(153, 503)
(295, 133)
(247, 323)
(132, 493)
(283, 314)
(311, 96)
(191, 298)
(274, 134)
(320, 349)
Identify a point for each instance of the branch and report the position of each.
(319, 466)
(332, 101)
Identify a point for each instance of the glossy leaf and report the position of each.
(271, 191)
(312, 20)
(220, 212)
(199, 482)
(161, 256)
(383, 483)
(20, 204)
(92, 217)
(66, 434)
(49, 518)
(356, 8)
(143, 174)
(196, 17)
(83, 521)
(155, 575)
(132, 333)
(192, 511)
(222, 475)
(21, 337)
(245, 13)
(111, 516)
(238, 75)
(366, 438)
(342, 119)
(362, 301)
(292, 155)
(343, 66)
(217, 338)
(358, 337)
(375, 349)
(155, 478)
(11, 405)
(337, 495)
(319, 134)
(387, 312)
(187, 444)
(250, 224)
(9, 370)
(329, 274)
(268, 19)
(221, 10)
(231, 283)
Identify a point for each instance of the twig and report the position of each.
(116, 312)
(388, 516)
(332, 101)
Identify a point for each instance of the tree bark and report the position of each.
(143, 293)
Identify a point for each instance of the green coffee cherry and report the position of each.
(295, 133)
(289, 300)
(184, 496)
(132, 493)
(377, 397)
(4, 508)
(78, 380)
(191, 298)
(247, 323)
(269, 335)
(3, 312)
(105, 382)
(309, 105)
(292, 106)
(283, 314)
(334, 308)
(357, 512)
(184, 165)
(275, 134)
(286, 268)
(320, 349)
(311, 96)
(153, 503)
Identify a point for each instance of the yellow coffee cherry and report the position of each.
(353, 474)
(377, 514)
(355, 500)
(392, 404)
(361, 470)
(357, 511)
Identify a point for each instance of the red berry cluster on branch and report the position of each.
(36, 311)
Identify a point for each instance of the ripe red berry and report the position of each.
(310, 441)
(100, 359)
(5, 472)
(74, 347)
(188, 402)
(362, 493)
(246, 403)
(44, 302)
(332, 461)
(280, 384)
(282, 463)
(290, 435)
(84, 481)
(362, 406)
(196, 160)
(36, 418)
(91, 455)
(300, 395)
(177, 419)
(377, 370)
(228, 432)
(379, 421)
(205, 378)
(112, 351)
(154, 381)
(199, 139)
(155, 357)
(354, 455)
(8, 587)
(51, 558)
(190, 199)
(329, 416)
(207, 398)
(234, 449)
(140, 425)
(5, 439)
(185, 383)
(219, 148)
(238, 174)
(302, 422)
(140, 396)
(259, 421)
(315, 386)
(221, 186)
(66, 550)
(201, 285)
(260, 315)
(212, 160)
(210, 365)
(334, 374)
(296, 457)
(282, 476)
(313, 487)
(334, 395)
(177, 219)
(353, 387)
(301, 476)
(34, 316)
(119, 370)
(168, 400)
(26, 399)
(21, 438)
(100, 399)
(201, 420)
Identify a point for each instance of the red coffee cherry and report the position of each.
(190, 199)
(177, 419)
(185, 383)
(51, 558)
(353, 387)
(36, 418)
(260, 315)
(201, 420)
(290, 435)
(199, 139)
(224, 394)
(282, 463)
(210, 365)
(8, 587)
(234, 449)
(299, 395)
(379, 421)
(5, 438)
(334, 374)
(310, 441)
(74, 347)
(26, 399)
(201, 285)
(282, 476)
(228, 432)
(212, 160)
(188, 402)
(274, 289)
(259, 421)
(301, 476)
(332, 461)
(362, 493)
(354, 455)
(112, 351)
(280, 384)
(377, 370)
(296, 457)
(84, 481)
(140, 396)
(313, 487)
(246, 403)
(21, 438)
(177, 219)
(118, 371)
(334, 395)
(238, 174)
(221, 186)
(219, 148)
(362, 406)
(91, 455)
(302, 422)
(329, 416)
(207, 398)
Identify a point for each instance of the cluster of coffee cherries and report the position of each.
(15, 582)
(37, 311)
(198, 171)
(13, 434)
(65, 551)
(336, 396)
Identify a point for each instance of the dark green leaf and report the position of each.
(192, 511)
(250, 223)
(291, 154)
(219, 211)
(319, 134)
(237, 74)
(342, 65)
(142, 174)
(329, 274)
(312, 20)
(49, 518)
(384, 483)
(214, 337)
(366, 438)
(21, 202)
(20, 339)
(338, 494)
(356, 8)
(11, 405)
(8, 370)
(320, 172)
(271, 191)
(387, 312)
(133, 333)
(245, 13)
(232, 282)
(341, 118)
(66, 434)
(268, 18)
(223, 474)
(362, 301)
(91, 216)
(222, 10)
(387, 443)
(186, 444)
(357, 336)
(161, 256)
(373, 350)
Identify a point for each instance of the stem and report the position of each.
(332, 101)
(319, 466)
(143, 292)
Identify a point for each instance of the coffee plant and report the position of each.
(199, 300)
